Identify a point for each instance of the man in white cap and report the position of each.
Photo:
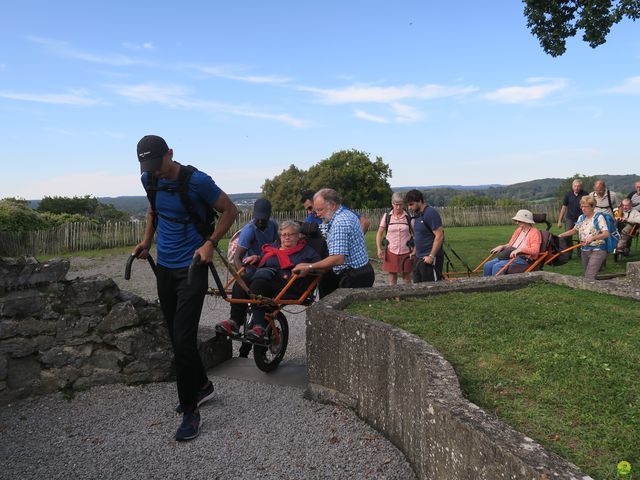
(182, 202)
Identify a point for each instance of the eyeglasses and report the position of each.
(398, 204)
(288, 234)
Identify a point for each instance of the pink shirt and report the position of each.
(398, 233)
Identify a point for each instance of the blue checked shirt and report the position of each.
(345, 237)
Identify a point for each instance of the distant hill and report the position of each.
(534, 190)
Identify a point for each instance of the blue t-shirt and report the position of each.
(176, 242)
(423, 236)
(312, 218)
(252, 238)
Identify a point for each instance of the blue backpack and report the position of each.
(611, 242)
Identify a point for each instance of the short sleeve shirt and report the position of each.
(423, 228)
(572, 202)
(586, 228)
(252, 238)
(345, 237)
(177, 242)
(398, 233)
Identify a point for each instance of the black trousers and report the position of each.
(362, 277)
(423, 272)
(265, 287)
(181, 306)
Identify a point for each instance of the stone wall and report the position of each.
(403, 387)
(58, 334)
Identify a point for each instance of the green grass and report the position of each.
(472, 244)
(559, 365)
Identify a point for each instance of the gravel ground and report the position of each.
(250, 430)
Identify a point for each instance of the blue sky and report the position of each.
(445, 92)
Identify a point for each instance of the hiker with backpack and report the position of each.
(605, 199)
(394, 241)
(429, 238)
(593, 231)
(182, 206)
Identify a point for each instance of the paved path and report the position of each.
(256, 426)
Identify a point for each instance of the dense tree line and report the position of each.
(363, 183)
(17, 216)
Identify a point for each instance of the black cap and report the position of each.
(151, 149)
(262, 209)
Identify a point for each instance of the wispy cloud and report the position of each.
(538, 89)
(406, 113)
(630, 85)
(232, 73)
(370, 117)
(77, 98)
(373, 94)
(178, 97)
(138, 46)
(64, 49)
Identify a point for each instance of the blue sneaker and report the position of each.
(189, 428)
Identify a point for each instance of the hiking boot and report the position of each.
(203, 396)
(256, 333)
(189, 428)
(227, 327)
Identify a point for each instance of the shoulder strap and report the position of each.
(609, 197)
(186, 172)
(151, 187)
(387, 220)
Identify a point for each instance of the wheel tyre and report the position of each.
(268, 358)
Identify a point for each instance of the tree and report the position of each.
(284, 190)
(553, 21)
(468, 200)
(86, 206)
(81, 205)
(362, 183)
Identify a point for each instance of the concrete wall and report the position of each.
(403, 387)
(70, 334)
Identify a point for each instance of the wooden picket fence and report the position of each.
(76, 237)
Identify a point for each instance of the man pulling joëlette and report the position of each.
(181, 199)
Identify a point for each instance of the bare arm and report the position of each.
(379, 236)
(228, 212)
(438, 235)
(141, 250)
(365, 223)
(563, 210)
(303, 269)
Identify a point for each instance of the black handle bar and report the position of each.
(132, 257)
(195, 261)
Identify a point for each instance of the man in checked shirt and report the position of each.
(347, 265)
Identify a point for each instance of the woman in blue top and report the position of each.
(272, 274)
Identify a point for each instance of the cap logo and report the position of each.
(144, 154)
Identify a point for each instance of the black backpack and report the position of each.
(387, 221)
(204, 226)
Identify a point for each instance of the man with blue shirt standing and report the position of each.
(182, 201)
(429, 236)
(347, 265)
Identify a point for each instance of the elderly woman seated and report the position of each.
(269, 278)
(524, 245)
